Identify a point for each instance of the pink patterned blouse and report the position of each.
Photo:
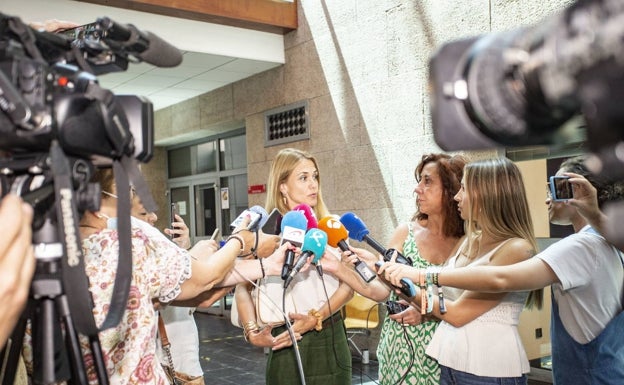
(159, 267)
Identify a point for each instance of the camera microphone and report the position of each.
(142, 44)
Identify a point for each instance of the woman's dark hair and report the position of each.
(450, 171)
(605, 189)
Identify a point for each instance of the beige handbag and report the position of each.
(267, 298)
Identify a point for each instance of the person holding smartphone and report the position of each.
(586, 276)
(179, 322)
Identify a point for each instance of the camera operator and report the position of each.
(17, 262)
(161, 272)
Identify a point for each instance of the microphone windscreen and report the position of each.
(264, 216)
(309, 215)
(315, 242)
(160, 53)
(355, 226)
(294, 219)
(335, 230)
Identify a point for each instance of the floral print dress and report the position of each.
(159, 267)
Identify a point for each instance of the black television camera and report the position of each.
(538, 86)
(56, 126)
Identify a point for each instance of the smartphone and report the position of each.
(255, 217)
(395, 307)
(273, 225)
(174, 211)
(560, 188)
(79, 34)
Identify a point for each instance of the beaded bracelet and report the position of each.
(434, 273)
(429, 290)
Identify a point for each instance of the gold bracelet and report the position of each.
(319, 319)
(249, 328)
(239, 239)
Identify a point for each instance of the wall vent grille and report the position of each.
(287, 124)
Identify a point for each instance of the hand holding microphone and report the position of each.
(293, 227)
(337, 237)
(358, 231)
(314, 244)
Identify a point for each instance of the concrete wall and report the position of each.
(362, 65)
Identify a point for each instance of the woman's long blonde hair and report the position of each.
(496, 195)
(283, 165)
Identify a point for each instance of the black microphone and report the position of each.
(142, 44)
(358, 231)
(314, 244)
(293, 227)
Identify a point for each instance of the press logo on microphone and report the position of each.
(318, 237)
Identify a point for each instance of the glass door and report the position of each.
(207, 218)
(182, 199)
(206, 210)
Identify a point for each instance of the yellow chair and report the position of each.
(361, 315)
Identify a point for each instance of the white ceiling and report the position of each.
(214, 55)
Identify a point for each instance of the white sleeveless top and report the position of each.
(490, 345)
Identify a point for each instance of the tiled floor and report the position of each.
(227, 359)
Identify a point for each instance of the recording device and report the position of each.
(309, 215)
(337, 237)
(395, 307)
(560, 188)
(174, 211)
(255, 218)
(56, 125)
(314, 244)
(273, 223)
(215, 234)
(81, 35)
(539, 85)
(293, 228)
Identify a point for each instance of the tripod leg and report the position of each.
(9, 356)
(49, 358)
(98, 360)
(79, 373)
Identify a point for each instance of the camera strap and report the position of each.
(75, 280)
(26, 37)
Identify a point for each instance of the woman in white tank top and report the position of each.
(477, 341)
